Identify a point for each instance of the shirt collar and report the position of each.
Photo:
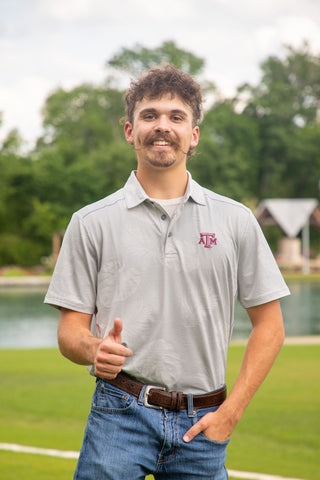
(195, 191)
(134, 193)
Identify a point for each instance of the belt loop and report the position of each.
(191, 411)
(141, 395)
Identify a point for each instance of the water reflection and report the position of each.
(301, 311)
(25, 322)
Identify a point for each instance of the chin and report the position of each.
(162, 165)
(161, 162)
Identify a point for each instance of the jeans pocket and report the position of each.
(215, 442)
(201, 413)
(110, 399)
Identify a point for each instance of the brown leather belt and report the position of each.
(159, 397)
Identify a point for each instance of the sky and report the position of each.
(47, 44)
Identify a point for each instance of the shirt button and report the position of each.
(170, 234)
(163, 217)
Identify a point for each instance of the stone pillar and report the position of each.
(290, 252)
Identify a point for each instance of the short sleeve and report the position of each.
(73, 284)
(259, 278)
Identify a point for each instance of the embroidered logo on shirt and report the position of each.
(208, 240)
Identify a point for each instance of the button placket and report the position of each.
(166, 224)
(169, 246)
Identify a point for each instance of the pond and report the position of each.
(301, 311)
(25, 322)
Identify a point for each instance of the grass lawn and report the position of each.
(279, 432)
(45, 401)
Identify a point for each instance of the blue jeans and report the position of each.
(125, 440)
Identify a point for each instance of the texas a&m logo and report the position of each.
(208, 240)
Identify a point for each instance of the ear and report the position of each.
(128, 131)
(195, 137)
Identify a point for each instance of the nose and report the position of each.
(162, 124)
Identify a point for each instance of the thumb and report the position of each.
(115, 332)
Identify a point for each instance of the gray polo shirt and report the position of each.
(173, 281)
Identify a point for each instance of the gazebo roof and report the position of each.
(290, 214)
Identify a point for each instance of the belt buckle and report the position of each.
(146, 394)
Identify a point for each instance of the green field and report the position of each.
(45, 401)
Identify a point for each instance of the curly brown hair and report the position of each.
(163, 80)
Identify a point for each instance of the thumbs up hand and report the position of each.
(111, 354)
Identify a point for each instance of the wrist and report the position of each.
(231, 412)
(93, 348)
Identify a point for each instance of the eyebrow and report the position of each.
(175, 111)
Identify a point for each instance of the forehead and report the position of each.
(165, 103)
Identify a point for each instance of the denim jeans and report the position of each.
(125, 440)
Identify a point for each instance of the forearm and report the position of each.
(75, 340)
(78, 344)
(262, 349)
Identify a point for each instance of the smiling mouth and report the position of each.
(160, 143)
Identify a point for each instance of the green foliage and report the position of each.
(42, 221)
(16, 184)
(285, 106)
(228, 152)
(140, 59)
(289, 91)
(12, 143)
(81, 120)
(18, 250)
(265, 142)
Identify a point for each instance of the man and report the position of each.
(147, 281)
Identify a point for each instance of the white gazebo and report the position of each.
(292, 216)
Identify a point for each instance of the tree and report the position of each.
(286, 106)
(82, 119)
(289, 91)
(16, 183)
(304, 154)
(268, 148)
(12, 144)
(16, 189)
(228, 152)
(140, 59)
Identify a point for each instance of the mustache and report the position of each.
(152, 137)
(161, 137)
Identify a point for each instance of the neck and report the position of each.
(163, 183)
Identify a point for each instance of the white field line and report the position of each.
(305, 340)
(13, 447)
(257, 476)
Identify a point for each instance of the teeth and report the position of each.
(160, 143)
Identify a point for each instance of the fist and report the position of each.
(111, 354)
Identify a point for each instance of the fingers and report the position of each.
(111, 353)
(110, 360)
(212, 426)
(198, 427)
(194, 431)
(108, 365)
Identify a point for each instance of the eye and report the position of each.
(177, 118)
(149, 116)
